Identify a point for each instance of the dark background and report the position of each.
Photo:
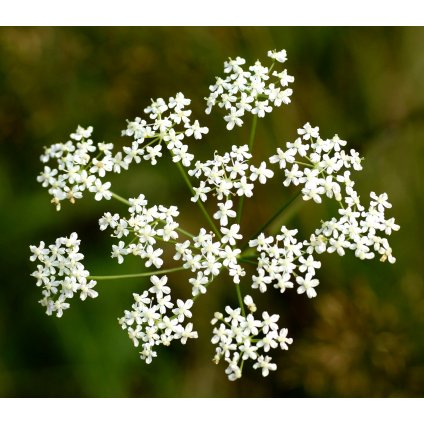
(361, 336)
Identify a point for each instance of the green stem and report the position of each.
(273, 217)
(121, 199)
(199, 202)
(251, 140)
(304, 164)
(241, 366)
(245, 260)
(137, 275)
(240, 299)
(241, 204)
(253, 132)
(182, 231)
(248, 254)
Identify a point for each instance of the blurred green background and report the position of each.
(362, 335)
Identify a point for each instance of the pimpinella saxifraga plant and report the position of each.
(318, 168)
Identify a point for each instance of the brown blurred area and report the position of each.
(360, 337)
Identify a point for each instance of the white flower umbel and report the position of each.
(318, 169)
(145, 227)
(358, 229)
(228, 176)
(168, 124)
(79, 166)
(255, 91)
(154, 321)
(280, 261)
(324, 168)
(61, 274)
(321, 167)
(206, 257)
(240, 338)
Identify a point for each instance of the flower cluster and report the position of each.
(206, 257)
(320, 168)
(170, 125)
(145, 226)
(240, 338)
(282, 261)
(228, 176)
(250, 91)
(326, 171)
(324, 167)
(80, 166)
(61, 274)
(150, 323)
(357, 229)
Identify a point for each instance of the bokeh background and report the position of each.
(361, 337)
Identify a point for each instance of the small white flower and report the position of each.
(390, 226)
(173, 139)
(233, 118)
(225, 211)
(283, 157)
(231, 234)
(199, 284)
(187, 333)
(279, 56)
(261, 281)
(152, 153)
(248, 300)
(307, 131)
(265, 364)
(60, 305)
(101, 190)
(229, 256)
(283, 282)
(82, 133)
(261, 173)
(159, 287)
(87, 289)
(269, 322)
(380, 201)
(307, 284)
(243, 187)
(261, 107)
(118, 251)
(108, 220)
(338, 245)
(39, 252)
(201, 192)
(248, 350)
(179, 102)
(309, 264)
(293, 176)
(283, 340)
(133, 153)
(196, 130)
(153, 257)
(183, 309)
(101, 166)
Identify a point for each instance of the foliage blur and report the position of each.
(361, 336)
